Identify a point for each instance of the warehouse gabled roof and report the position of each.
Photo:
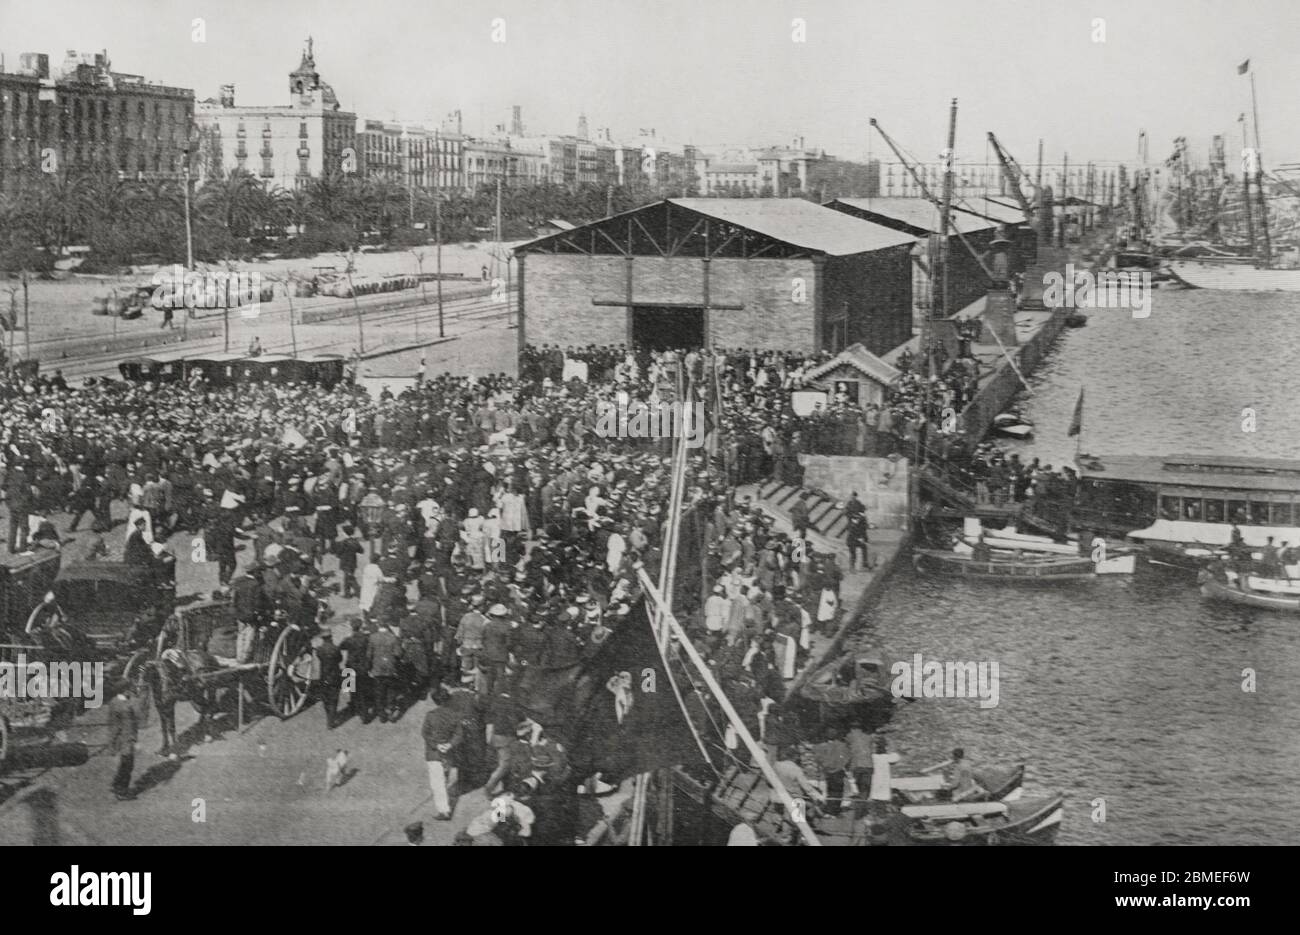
(861, 360)
(799, 222)
(729, 228)
(919, 215)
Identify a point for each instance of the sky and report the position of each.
(716, 72)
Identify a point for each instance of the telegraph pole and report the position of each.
(437, 225)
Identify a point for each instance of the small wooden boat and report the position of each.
(1032, 570)
(994, 785)
(1118, 560)
(1076, 320)
(853, 678)
(1030, 821)
(1012, 424)
(1264, 593)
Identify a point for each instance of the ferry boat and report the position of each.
(1183, 507)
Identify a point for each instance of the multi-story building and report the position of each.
(400, 152)
(89, 118)
(283, 145)
(968, 180)
(785, 172)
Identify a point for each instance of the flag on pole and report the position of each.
(1076, 424)
(1243, 67)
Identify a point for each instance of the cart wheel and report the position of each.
(4, 743)
(137, 673)
(288, 671)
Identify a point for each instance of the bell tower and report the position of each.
(305, 79)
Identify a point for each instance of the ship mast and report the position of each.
(1259, 178)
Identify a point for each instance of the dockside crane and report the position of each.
(944, 206)
(1013, 174)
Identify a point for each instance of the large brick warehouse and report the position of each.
(733, 272)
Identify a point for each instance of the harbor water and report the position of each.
(1127, 694)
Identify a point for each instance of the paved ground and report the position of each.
(266, 784)
(61, 309)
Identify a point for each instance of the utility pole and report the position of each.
(437, 224)
(189, 255)
(27, 322)
(361, 333)
(1065, 194)
(946, 211)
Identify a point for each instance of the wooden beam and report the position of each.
(613, 243)
(649, 237)
(674, 248)
(566, 240)
(621, 303)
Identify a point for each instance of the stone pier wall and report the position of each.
(881, 484)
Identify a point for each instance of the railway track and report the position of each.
(398, 330)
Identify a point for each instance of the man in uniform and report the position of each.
(123, 733)
(330, 658)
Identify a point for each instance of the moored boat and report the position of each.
(1110, 559)
(1029, 821)
(1234, 276)
(859, 677)
(1012, 425)
(993, 784)
(1032, 570)
(1264, 593)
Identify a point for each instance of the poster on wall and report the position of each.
(806, 402)
(846, 393)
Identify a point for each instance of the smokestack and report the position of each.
(517, 121)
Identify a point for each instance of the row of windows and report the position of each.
(1216, 510)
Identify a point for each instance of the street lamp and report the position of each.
(371, 509)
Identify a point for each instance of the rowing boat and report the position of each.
(1264, 593)
(1029, 570)
(991, 785)
(1030, 821)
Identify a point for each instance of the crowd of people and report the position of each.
(503, 532)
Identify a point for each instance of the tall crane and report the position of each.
(937, 202)
(1012, 172)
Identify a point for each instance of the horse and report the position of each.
(175, 676)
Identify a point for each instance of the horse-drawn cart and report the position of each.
(204, 658)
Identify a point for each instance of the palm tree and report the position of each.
(239, 202)
(53, 210)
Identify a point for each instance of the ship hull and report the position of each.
(1235, 277)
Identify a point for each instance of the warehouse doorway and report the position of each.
(660, 329)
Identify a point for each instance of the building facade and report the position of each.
(89, 118)
(282, 145)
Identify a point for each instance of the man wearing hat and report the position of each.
(137, 546)
(123, 734)
(330, 658)
(442, 733)
(356, 649)
(347, 551)
(494, 658)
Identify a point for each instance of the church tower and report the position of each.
(304, 79)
